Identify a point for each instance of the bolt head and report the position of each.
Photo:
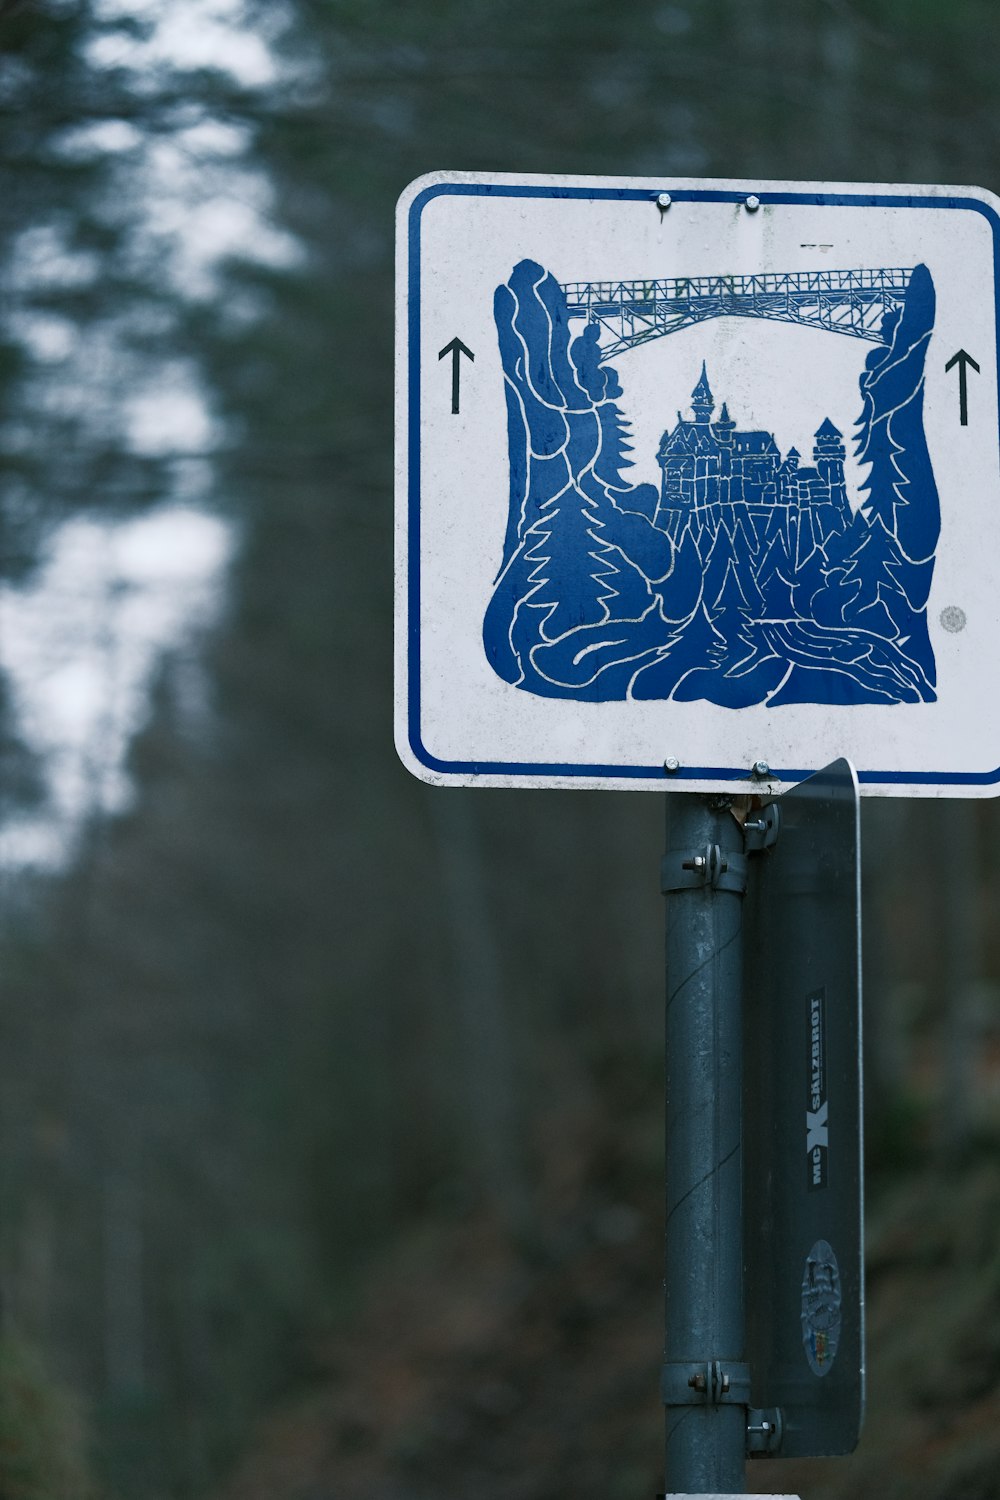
(671, 765)
(761, 768)
(752, 203)
(663, 200)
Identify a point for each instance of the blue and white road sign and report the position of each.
(697, 477)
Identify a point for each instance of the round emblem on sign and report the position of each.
(821, 1303)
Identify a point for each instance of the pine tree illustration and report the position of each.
(700, 644)
(733, 613)
(774, 580)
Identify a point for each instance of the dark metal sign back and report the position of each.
(803, 1206)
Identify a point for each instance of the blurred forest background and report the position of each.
(330, 1105)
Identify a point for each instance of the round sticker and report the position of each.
(821, 1302)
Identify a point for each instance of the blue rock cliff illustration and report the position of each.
(746, 576)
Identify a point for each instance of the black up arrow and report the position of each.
(962, 360)
(456, 349)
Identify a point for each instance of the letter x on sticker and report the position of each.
(817, 1133)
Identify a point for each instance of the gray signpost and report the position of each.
(764, 1333)
(705, 1380)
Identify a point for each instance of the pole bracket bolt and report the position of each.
(761, 831)
(703, 869)
(715, 1382)
(764, 1432)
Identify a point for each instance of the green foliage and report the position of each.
(899, 1136)
(43, 1445)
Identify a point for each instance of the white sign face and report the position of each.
(696, 477)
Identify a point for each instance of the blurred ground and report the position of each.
(515, 1367)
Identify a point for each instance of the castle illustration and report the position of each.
(711, 469)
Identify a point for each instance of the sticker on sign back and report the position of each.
(817, 1104)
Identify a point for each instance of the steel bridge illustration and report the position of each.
(634, 312)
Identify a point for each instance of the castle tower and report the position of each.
(829, 446)
(829, 452)
(725, 426)
(702, 400)
(723, 431)
(828, 455)
(788, 478)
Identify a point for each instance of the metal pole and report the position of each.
(705, 1383)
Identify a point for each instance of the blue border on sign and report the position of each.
(624, 774)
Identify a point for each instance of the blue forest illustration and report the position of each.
(745, 576)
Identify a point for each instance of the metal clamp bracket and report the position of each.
(715, 1383)
(700, 869)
